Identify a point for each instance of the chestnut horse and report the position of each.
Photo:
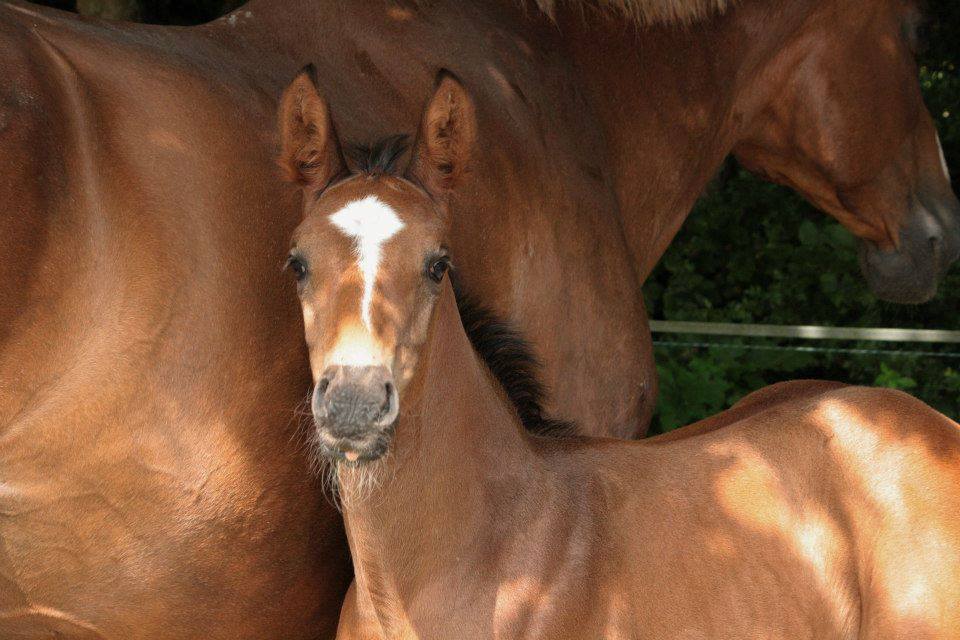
(811, 510)
(819, 95)
(151, 358)
(153, 486)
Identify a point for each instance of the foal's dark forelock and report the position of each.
(379, 158)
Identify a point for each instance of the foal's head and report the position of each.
(848, 129)
(369, 258)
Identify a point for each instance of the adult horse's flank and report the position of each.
(151, 355)
(819, 95)
(811, 510)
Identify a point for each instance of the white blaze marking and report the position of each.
(308, 316)
(370, 223)
(943, 159)
(355, 347)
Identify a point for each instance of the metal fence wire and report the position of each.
(806, 332)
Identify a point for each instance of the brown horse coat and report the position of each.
(144, 450)
(809, 510)
(153, 483)
(150, 353)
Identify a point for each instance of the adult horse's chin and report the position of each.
(929, 244)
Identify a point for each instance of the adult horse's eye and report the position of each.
(298, 267)
(438, 267)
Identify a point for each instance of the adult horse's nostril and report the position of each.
(322, 385)
(936, 246)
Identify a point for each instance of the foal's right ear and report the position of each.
(310, 150)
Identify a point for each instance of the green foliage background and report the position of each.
(755, 252)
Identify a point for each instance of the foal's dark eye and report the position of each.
(298, 267)
(438, 267)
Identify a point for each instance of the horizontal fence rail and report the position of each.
(805, 332)
(896, 353)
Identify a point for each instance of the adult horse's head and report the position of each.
(369, 258)
(848, 129)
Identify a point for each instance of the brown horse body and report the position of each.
(151, 359)
(153, 483)
(149, 354)
(812, 509)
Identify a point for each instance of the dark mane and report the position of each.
(647, 12)
(640, 12)
(512, 362)
(379, 158)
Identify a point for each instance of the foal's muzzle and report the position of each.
(355, 409)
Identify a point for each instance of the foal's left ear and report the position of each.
(311, 154)
(446, 138)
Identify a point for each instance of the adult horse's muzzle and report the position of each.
(929, 244)
(355, 409)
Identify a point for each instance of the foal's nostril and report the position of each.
(391, 406)
(318, 400)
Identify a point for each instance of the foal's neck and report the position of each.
(457, 441)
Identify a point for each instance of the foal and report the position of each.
(809, 510)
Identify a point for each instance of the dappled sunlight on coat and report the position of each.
(754, 495)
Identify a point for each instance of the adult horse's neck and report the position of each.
(457, 448)
(317, 31)
(675, 101)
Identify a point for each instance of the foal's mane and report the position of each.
(512, 362)
(502, 348)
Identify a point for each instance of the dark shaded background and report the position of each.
(182, 12)
(793, 266)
